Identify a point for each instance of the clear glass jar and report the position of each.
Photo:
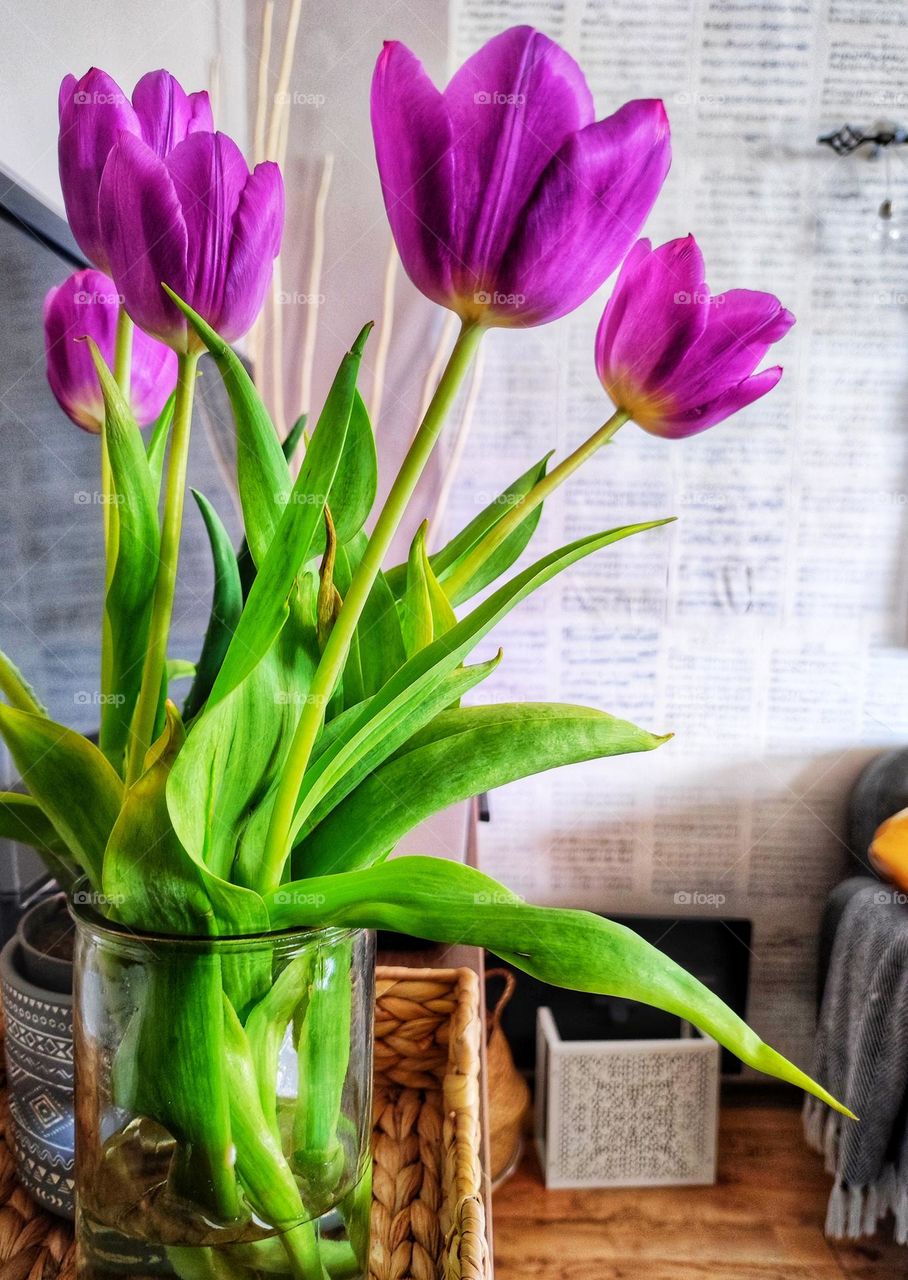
(223, 1103)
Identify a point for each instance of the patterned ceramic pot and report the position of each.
(39, 1062)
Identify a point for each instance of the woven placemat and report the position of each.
(428, 1216)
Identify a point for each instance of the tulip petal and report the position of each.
(679, 425)
(512, 105)
(87, 305)
(658, 310)
(257, 228)
(166, 113)
(742, 326)
(79, 306)
(209, 176)
(586, 211)
(94, 111)
(145, 235)
(412, 135)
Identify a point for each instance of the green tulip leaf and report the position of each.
(267, 608)
(71, 780)
(226, 606)
(425, 612)
(233, 752)
(445, 561)
(353, 490)
(157, 441)
(452, 903)
(244, 556)
(339, 763)
(16, 689)
(23, 820)
(263, 477)
(377, 648)
(459, 754)
(416, 679)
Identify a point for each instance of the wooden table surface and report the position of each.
(762, 1221)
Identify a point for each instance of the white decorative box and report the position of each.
(626, 1113)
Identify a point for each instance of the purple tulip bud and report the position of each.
(509, 204)
(87, 305)
(94, 111)
(675, 357)
(196, 220)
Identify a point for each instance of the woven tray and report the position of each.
(428, 1217)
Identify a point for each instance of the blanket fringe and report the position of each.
(812, 1118)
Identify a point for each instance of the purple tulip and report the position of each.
(676, 358)
(509, 204)
(197, 221)
(94, 111)
(87, 304)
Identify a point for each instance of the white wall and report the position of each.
(200, 41)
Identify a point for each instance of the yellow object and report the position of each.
(889, 849)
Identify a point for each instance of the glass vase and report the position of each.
(223, 1103)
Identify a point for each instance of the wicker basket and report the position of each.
(428, 1216)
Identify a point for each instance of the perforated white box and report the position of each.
(626, 1113)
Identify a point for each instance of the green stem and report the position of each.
(162, 602)
(472, 563)
(335, 651)
(122, 373)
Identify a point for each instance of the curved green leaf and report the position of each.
(446, 560)
(244, 555)
(226, 607)
(416, 678)
(425, 612)
(23, 820)
(157, 441)
(377, 648)
(448, 902)
(341, 770)
(267, 608)
(71, 780)
(16, 689)
(129, 596)
(234, 750)
(356, 481)
(263, 477)
(458, 755)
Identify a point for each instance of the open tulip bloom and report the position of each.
(326, 715)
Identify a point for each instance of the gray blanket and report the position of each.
(862, 1058)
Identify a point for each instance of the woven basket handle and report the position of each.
(493, 1015)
